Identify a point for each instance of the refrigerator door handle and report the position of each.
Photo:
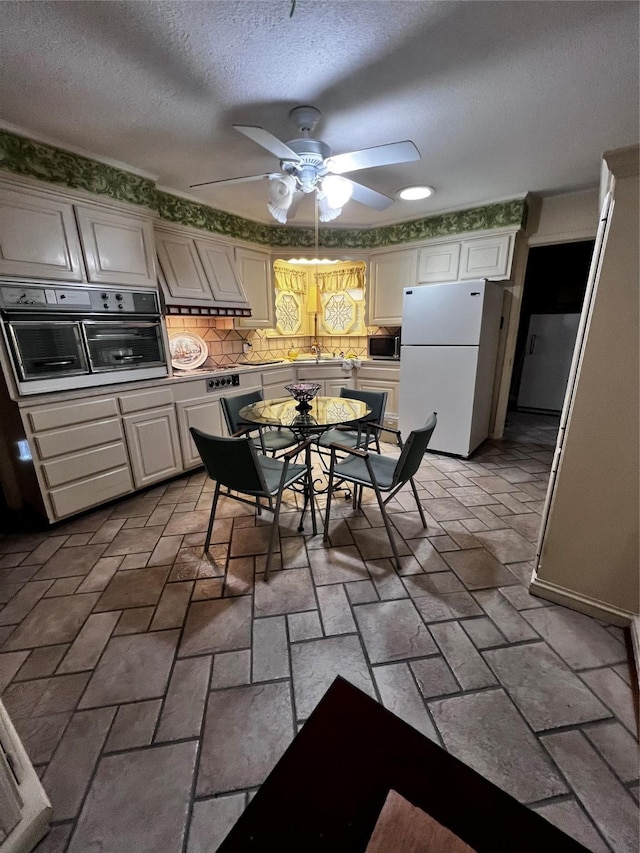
(532, 344)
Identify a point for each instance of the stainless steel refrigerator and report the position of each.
(450, 337)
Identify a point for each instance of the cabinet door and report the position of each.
(38, 237)
(332, 386)
(220, 269)
(255, 273)
(438, 263)
(391, 272)
(391, 411)
(118, 247)
(182, 268)
(202, 413)
(274, 381)
(154, 445)
(486, 257)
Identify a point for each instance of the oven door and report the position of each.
(117, 345)
(43, 349)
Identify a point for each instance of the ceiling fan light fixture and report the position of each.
(415, 193)
(337, 190)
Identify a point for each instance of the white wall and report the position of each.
(589, 556)
(564, 218)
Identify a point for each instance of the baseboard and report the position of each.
(583, 603)
(635, 644)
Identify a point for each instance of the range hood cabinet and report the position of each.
(199, 275)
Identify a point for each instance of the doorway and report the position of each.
(553, 293)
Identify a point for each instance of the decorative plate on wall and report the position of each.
(188, 350)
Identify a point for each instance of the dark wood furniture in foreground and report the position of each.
(327, 790)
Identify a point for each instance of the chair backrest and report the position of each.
(413, 451)
(231, 462)
(231, 409)
(376, 400)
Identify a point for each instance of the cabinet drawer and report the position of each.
(90, 492)
(81, 465)
(77, 413)
(59, 442)
(140, 401)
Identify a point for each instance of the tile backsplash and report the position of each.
(225, 342)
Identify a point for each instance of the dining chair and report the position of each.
(364, 434)
(383, 474)
(267, 440)
(235, 463)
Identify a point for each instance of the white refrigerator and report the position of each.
(448, 354)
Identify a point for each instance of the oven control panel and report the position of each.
(230, 380)
(78, 299)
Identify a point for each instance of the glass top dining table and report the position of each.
(321, 414)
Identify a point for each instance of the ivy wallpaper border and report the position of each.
(24, 156)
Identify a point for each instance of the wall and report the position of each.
(225, 343)
(553, 219)
(563, 218)
(589, 557)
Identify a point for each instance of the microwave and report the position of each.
(384, 347)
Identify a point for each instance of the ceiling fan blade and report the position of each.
(368, 158)
(232, 180)
(372, 198)
(295, 204)
(269, 141)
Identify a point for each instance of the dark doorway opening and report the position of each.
(554, 288)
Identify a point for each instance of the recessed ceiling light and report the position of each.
(415, 193)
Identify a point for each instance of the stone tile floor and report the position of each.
(155, 688)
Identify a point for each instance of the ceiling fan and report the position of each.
(307, 165)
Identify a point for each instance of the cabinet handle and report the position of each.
(59, 363)
(128, 357)
(532, 344)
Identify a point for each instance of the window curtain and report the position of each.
(289, 279)
(346, 276)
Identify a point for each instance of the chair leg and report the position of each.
(325, 536)
(258, 506)
(418, 504)
(214, 504)
(274, 534)
(310, 491)
(387, 524)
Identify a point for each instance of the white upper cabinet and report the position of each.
(198, 271)
(255, 273)
(118, 247)
(390, 273)
(487, 257)
(438, 263)
(38, 237)
(219, 265)
(182, 268)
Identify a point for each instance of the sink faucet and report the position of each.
(316, 350)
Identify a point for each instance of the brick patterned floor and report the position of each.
(127, 657)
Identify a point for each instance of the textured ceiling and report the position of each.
(501, 98)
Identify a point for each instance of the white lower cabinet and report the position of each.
(80, 454)
(274, 381)
(204, 414)
(372, 377)
(330, 378)
(154, 445)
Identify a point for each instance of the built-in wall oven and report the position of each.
(60, 338)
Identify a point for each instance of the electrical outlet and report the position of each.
(246, 347)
